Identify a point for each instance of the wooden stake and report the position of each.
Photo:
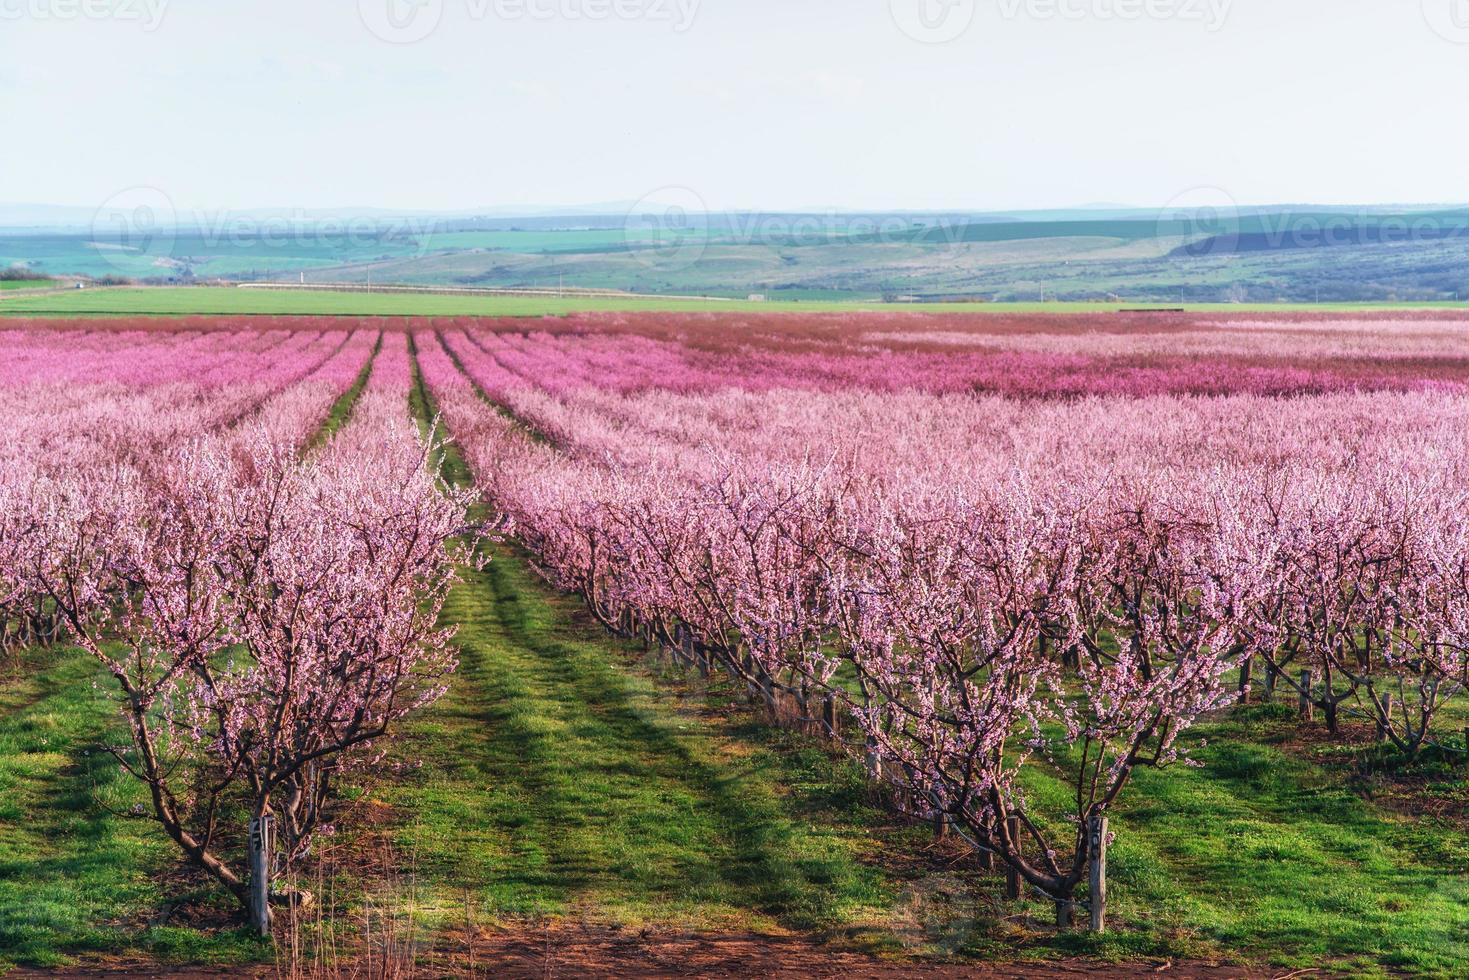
(1097, 830)
(874, 761)
(262, 832)
(829, 716)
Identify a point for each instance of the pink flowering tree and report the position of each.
(1424, 649)
(942, 619)
(267, 622)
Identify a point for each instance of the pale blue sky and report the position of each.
(750, 103)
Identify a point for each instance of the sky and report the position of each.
(729, 104)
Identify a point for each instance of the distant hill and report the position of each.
(1263, 254)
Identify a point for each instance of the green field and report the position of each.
(224, 300)
(1264, 255)
(577, 240)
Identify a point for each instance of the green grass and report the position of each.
(559, 781)
(199, 300)
(77, 878)
(10, 284)
(1273, 854)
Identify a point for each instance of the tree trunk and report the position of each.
(1012, 875)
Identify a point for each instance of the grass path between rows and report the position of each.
(559, 781)
(561, 778)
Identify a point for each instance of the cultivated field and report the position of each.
(230, 300)
(796, 644)
(1168, 256)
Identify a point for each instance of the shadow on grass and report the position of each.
(76, 878)
(602, 795)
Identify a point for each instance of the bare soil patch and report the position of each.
(572, 950)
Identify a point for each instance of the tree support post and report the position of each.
(1097, 831)
(262, 839)
(829, 716)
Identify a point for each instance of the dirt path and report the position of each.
(569, 950)
(565, 951)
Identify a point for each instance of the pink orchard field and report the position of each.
(984, 554)
(1007, 565)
